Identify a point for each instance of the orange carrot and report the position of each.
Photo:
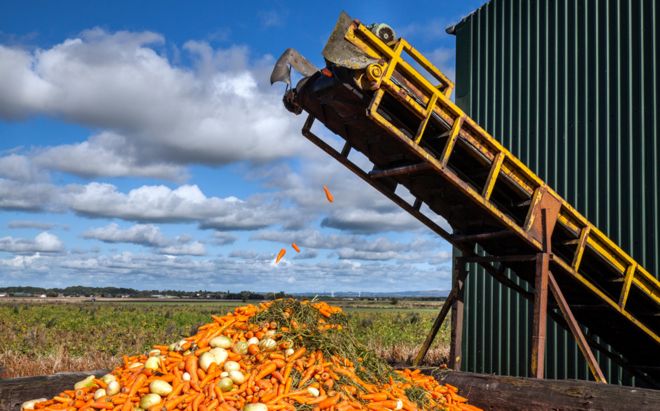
(295, 247)
(328, 194)
(280, 255)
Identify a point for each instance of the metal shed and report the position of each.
(570, 87)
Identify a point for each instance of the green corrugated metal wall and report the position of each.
(571, 88)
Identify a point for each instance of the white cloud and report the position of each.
(40, 225)
(148, 235)
(154, 115)
(192, 248)
(44, 242)
(143, 234)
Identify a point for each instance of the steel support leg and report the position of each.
(458, 280)
(444, 310)
(540, 319)
(576, 330)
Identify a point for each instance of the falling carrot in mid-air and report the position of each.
(280, 255)
(328, 194)
(295, 247)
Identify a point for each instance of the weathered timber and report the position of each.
(494, 392)
(15, 391)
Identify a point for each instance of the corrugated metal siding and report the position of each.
(571, 88)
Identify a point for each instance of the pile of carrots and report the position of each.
(239, 362)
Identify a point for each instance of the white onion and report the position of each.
(232, 366)
(237, 377)
(205, 360)
(253, 340)
(155, 352)
(113, 388)
(108, 377)
(160, 387)
(399, 404)
(185, 376)
(149, 401)
(289, 351)
(152, 363)
(313, 391)
(271, 333)
(100, 393)
(224, 374)
(240, 347)
(87, 382)
(267, 344)
(225, 384)
(256, 406)
(29, 405)
(135, 365)
(220, 341)
(220, 354)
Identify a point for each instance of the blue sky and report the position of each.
(142, 146)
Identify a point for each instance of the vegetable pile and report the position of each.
(281, 355)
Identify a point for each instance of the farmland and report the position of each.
(46, 337)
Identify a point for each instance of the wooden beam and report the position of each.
(500, 393)
(575, 330)
(15, 391)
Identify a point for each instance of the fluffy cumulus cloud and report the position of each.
(147, 235)
(156, 115)
(44, 242)
(153, 118)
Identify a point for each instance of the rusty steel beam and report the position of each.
(459, 275)
(575, 330)
(397, 171)
(452, 297)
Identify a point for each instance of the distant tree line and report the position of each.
(118, 292)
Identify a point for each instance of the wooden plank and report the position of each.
(510, 393)
(494, 393)
(15, 391)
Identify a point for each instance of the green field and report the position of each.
(43, 337)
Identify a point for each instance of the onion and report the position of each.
(152, 363)
(313, 391)
(237, 377)
(87, 382)
(256, 406)
(253, 340)
(399, 405)
(220, 354)
(267, 344)
(225, 384)
(220, 341)
(113, 388)
(205, 360)
(224, 374)
(29, 405)
(271, 333)
(149, 401)
(160, 387)
(289, 351)
(240, 347)
(232, 366)
(136, 365)
(185, 376)
(107, 378)
(154, 353)
(100, 393)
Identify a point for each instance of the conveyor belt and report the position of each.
(416, 137)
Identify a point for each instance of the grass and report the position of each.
(44, 338)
